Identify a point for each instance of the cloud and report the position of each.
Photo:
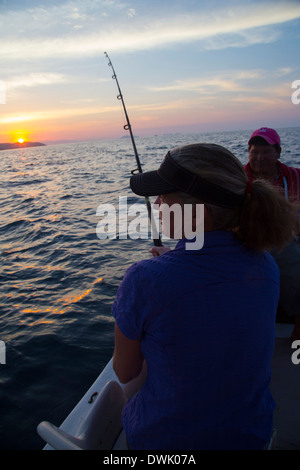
(227, 81)
(282, 72)
(56, 114)
(233, 85)
(84, 111)
(255, 35)
(35, 79)
(82, 29)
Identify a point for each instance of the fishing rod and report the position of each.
(127, 127)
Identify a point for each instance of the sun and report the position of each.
(20, 136)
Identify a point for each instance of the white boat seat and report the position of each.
(97, 430)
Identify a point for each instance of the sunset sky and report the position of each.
(183, 66)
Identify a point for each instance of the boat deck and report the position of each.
(285, 387)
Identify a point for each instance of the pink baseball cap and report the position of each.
(269, 135)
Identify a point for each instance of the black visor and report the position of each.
(172, 177)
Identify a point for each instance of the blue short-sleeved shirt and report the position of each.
(206, 321)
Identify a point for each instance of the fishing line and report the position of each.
(127, 127)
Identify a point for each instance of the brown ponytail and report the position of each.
(267, 219)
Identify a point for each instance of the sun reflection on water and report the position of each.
(67, 303)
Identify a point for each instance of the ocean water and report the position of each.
(58, 279)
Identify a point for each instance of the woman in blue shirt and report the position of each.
(203, 318)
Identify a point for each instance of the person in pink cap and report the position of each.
(264, 153)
